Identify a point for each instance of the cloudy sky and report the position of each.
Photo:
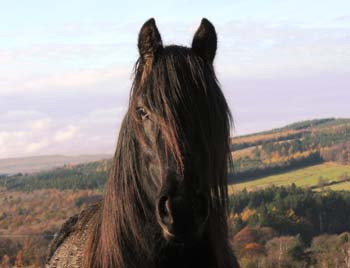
(65, 66)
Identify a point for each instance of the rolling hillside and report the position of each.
(326, 175)
(307, 153)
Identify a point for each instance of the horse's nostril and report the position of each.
(164, 210)
(162, 205)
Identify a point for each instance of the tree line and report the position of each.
(291, 227)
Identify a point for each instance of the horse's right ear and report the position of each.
(149, 42)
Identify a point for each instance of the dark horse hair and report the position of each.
(177, 88)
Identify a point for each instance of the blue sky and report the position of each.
(65, 66)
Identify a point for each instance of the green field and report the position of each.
(344, 186)
(304, 177)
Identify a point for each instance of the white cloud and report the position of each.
(15, 114)
(66, 134)
(246, 48)
(105, 116)
(40, 124)
(29, 132)
(5, 136)
(13, 143)
(259, 49)
(35, 147)
(25, 132)
(68, 82)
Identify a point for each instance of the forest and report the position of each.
(291, 227)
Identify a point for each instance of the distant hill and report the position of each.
(294, 146)
(313, 153)
(91, 175)
(318, 177)
(40, 163)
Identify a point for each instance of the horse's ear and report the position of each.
(205, 41)
(149, 42)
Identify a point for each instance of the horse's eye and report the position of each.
(142, 113)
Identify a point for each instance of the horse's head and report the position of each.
(181, 124)
(168, 180)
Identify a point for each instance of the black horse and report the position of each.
(165, 203)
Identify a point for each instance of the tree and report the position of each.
(281, 250)
(19, 259)
(5, 261)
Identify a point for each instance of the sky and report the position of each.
(66, 66)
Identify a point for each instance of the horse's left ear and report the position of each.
(205, 41)
(149, 41)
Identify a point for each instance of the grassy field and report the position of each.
(344, 186)
(304, 177)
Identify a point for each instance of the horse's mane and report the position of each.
(125, 232)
